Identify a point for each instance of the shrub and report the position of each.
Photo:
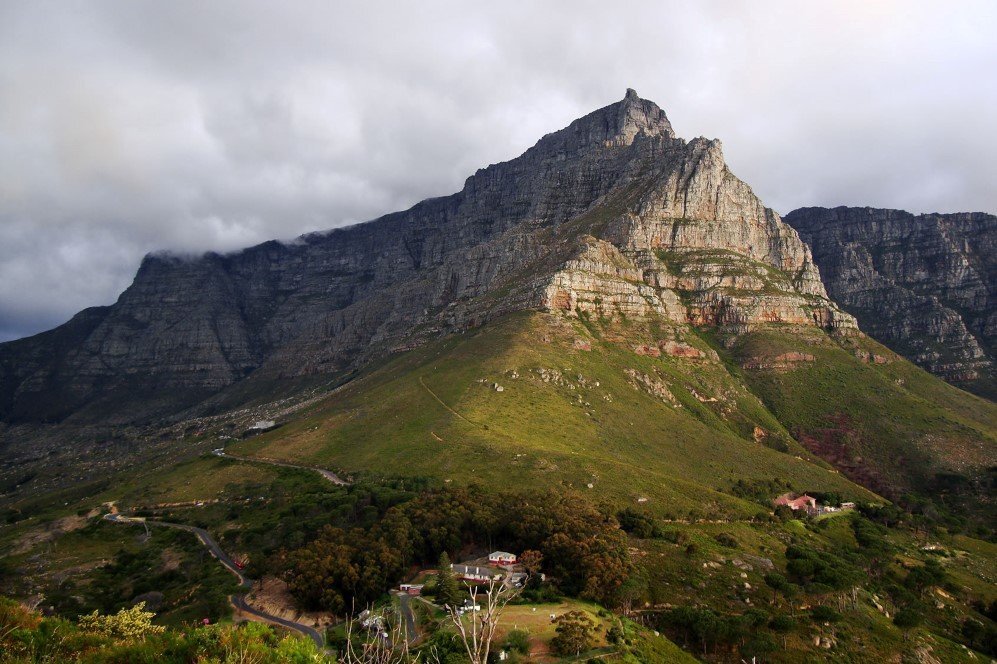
(824, 614)
(518, 640)
(638, 524)
(132, 624)
(727, 540)
(907, 618)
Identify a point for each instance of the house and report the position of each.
(502, 558)
(806, 503)
(848, 506)
(474, 573)
(411, 588)
(518, 579)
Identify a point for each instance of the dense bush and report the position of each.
(726, 540)
(638, 524)
(129, 638)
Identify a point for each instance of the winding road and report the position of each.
(238, 601)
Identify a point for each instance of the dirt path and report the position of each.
(327, 474)
(444, 403)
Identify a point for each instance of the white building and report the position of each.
(502, 558)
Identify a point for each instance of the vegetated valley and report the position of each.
(596, 406)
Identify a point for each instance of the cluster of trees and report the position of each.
(298, 506)
(820, 572)
(714, 632)
(580, 545)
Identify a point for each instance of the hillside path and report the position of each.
(327, 474)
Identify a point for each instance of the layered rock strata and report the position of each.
(612, 215)
(925, 285)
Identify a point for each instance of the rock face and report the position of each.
(924, 285)
(612, 216)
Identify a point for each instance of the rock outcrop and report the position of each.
(611, 216)
(924, 285)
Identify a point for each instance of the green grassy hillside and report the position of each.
(879, 419)
(541, 400)
(678, 432)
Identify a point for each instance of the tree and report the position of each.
(532, 562)
(782, 625)
(629, 592)
(907, 619)
(477, 630)
(638, 524)
(575, 633)
(824, 614)
(778, 583)
(921, 578)
(447, 591)
(132, 624)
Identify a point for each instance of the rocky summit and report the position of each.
(613, 216)
(925, 285)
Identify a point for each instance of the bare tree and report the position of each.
(386, 642)
(478, 630)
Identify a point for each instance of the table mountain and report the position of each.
(924, 285)
(588, 219)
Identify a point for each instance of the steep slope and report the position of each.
(924, 285)
(644, 410)
(546, 399)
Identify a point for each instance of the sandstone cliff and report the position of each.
(924, 285)
(613, 214)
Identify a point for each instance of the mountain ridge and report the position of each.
(922, 284)
(318, 304)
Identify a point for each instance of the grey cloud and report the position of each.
(131, 127)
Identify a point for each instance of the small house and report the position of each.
(474, 573)
(502, 558)
(411, 588)
(806, 503)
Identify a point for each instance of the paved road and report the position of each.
(327, 474)
(237, 601)
(405, 604)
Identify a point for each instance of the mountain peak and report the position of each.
(635, 115)
(617, 124)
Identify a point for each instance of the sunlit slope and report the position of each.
(579, 405)
(880, 419)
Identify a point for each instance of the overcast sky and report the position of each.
(127, 127)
